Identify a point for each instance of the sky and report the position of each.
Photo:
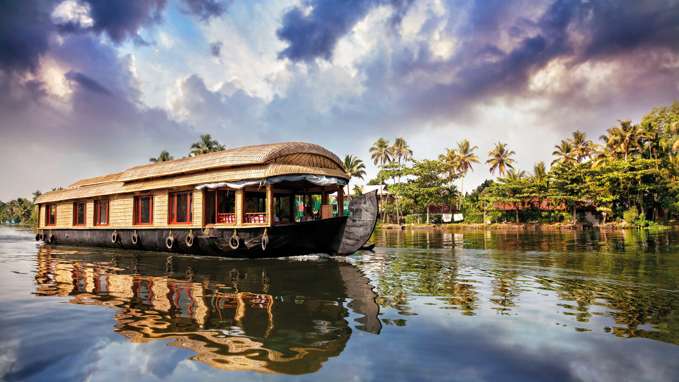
(89, 87)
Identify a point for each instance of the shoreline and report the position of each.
(527, 227)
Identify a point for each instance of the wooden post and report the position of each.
(239, 207)
(269, 204)
(340, 201)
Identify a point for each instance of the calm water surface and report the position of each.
(423, 306)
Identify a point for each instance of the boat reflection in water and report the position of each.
(274, 316)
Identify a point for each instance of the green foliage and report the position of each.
(631, 215)
(18, 211)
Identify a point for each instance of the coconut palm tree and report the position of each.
(162, 157)
(513, 175)
(380, 152)
(539, 171)
(401, 151)
(451, 162)
(623, 140)
(500, 158)
(582, 147)
(205, 145)
(563, 152)
(354, 167)
(466, 158)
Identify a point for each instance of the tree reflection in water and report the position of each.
(273, 316)
(624, 283)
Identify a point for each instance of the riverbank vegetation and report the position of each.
(629, 175)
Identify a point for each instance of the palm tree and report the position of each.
(451, 162)
(623, 139)
(582, 147)
(164, 156)
(500, 159)
(465, 157)
(563, 152)
(513, 175)
(380, 152)
(401, 151)
(354, 167)
(205, 145)
(539, 171)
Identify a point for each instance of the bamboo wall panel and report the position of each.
(89, 214)
(197, 206)
(64, 214)
(121, 210)
(160, 208)
(41, 216)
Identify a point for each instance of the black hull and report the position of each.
(323, 236)
(335, 236)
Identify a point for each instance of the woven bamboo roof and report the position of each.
(248, 162)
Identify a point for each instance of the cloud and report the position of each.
(216, 48)
(205, 9)
(24, 34)
(97, 126)
(312, 31)
(119, 20)
(225, 112)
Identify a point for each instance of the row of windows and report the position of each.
(179, 210)
(220, 208)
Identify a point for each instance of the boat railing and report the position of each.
(255, 217)
(228, 218)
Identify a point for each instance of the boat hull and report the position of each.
(322, 236)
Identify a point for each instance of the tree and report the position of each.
(354, 167)
(539, 172)
(623, 139)
(401, 151)
(500, 159)
(563, 153)
(380, 152)
(466, 157)
(164, 156)
(582, 147)
(205, 145)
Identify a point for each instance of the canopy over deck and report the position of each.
(257, 162)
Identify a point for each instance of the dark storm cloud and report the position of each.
(205, 9)
(87, 83)
(315, 34)
(24, 34)
(216, 48)
(122, 19)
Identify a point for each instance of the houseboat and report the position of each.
(268, 200)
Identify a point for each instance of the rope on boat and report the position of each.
(265, 240)
(169, 241)
(234, 242)
(189, 239)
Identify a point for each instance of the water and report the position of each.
(423, 306)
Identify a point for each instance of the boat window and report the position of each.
(143, 209)
(50, 214)
(79, 213)
(226, 206)
(282, 208)
(101, 212)
(179, 206)
(255, 207)
(308, 207)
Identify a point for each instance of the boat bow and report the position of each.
(360, 224)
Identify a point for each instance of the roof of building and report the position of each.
(247, 162)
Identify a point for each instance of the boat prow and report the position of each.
(360, 224)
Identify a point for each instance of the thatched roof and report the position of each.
(248, 162)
